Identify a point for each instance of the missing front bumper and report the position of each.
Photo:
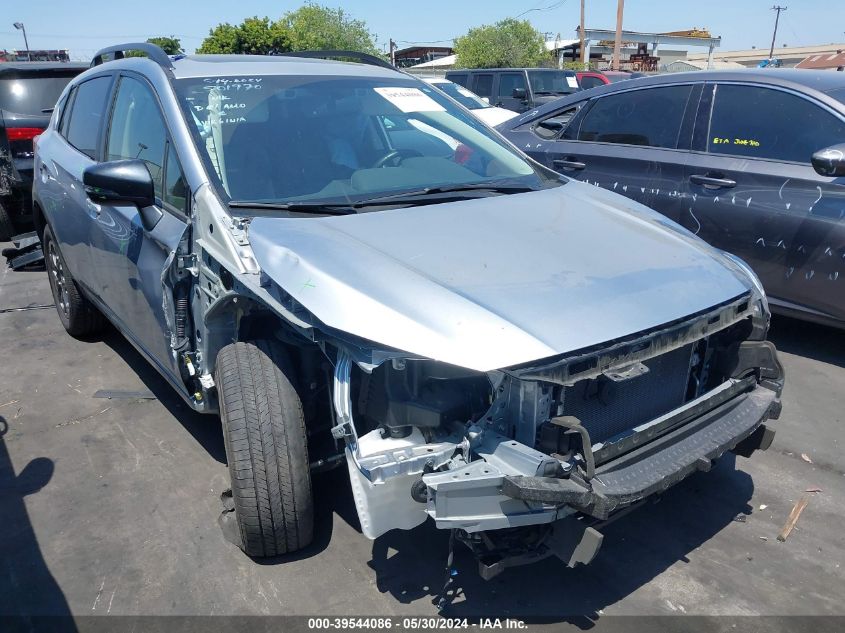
(483, 498)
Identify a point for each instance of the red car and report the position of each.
(592, 78)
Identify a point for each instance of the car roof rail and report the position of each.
(364, 58)
(155, 53)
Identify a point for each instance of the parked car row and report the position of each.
(750, 161)
(517, 89)
(350, 268)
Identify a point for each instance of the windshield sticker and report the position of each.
(410, 99)
(572, 82)
(236, 84)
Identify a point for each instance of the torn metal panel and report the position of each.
(26, 251)
(594, 362)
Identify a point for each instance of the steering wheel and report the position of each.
(396, 156)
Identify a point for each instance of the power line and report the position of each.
(551, 7)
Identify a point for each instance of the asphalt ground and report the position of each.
(110, 507)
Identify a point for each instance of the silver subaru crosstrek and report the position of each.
(352, 270)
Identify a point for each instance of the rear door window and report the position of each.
(88, 115)
(65, 113)
(757, 122)
(484, 85)
(651, 117)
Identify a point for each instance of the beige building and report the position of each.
(789, 56)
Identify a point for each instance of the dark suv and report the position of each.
(353, 270)
(28, 92)
(517, 89)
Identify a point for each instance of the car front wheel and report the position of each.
(264, 433)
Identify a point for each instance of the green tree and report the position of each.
(170, 45)
(254, 36)
(310, 27)
(507, 44)
(316, 27)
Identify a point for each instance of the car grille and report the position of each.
(607, 408)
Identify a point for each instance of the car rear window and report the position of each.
(460, 79)
(590, 81)
(32, 95)
(88, 115)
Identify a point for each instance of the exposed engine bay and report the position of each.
(499, 454)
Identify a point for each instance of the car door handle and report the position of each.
(569, 164)
(712, 182)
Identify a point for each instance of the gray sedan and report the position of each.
(751, 161)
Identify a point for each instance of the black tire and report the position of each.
(264, 433)
(77, 314)
(7, 227)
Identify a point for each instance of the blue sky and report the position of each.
(85, 25)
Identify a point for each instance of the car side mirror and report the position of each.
(120, 181)
(124, 181)
(830, 161)
(519, 93)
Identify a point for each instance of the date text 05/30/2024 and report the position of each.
(412, 623)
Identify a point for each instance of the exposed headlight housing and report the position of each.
(760, 304)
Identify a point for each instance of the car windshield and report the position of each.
(466, 98)
(334, 140)
(556, 82)
(31, 95)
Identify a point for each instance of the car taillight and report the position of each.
(22, 133)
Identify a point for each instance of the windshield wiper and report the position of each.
(414, 195)
(296, 207)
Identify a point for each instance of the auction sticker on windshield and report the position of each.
(410, 99)
(572, 82)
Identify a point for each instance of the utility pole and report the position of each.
(581, 30)
(393, 48)
(617, 43)
(20, 27)
(775, 34)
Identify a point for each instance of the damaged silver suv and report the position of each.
(350, 268)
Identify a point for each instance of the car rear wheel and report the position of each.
(264, 433)
(7, 228)
(77, 314)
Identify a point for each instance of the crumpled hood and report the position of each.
(493, 282)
